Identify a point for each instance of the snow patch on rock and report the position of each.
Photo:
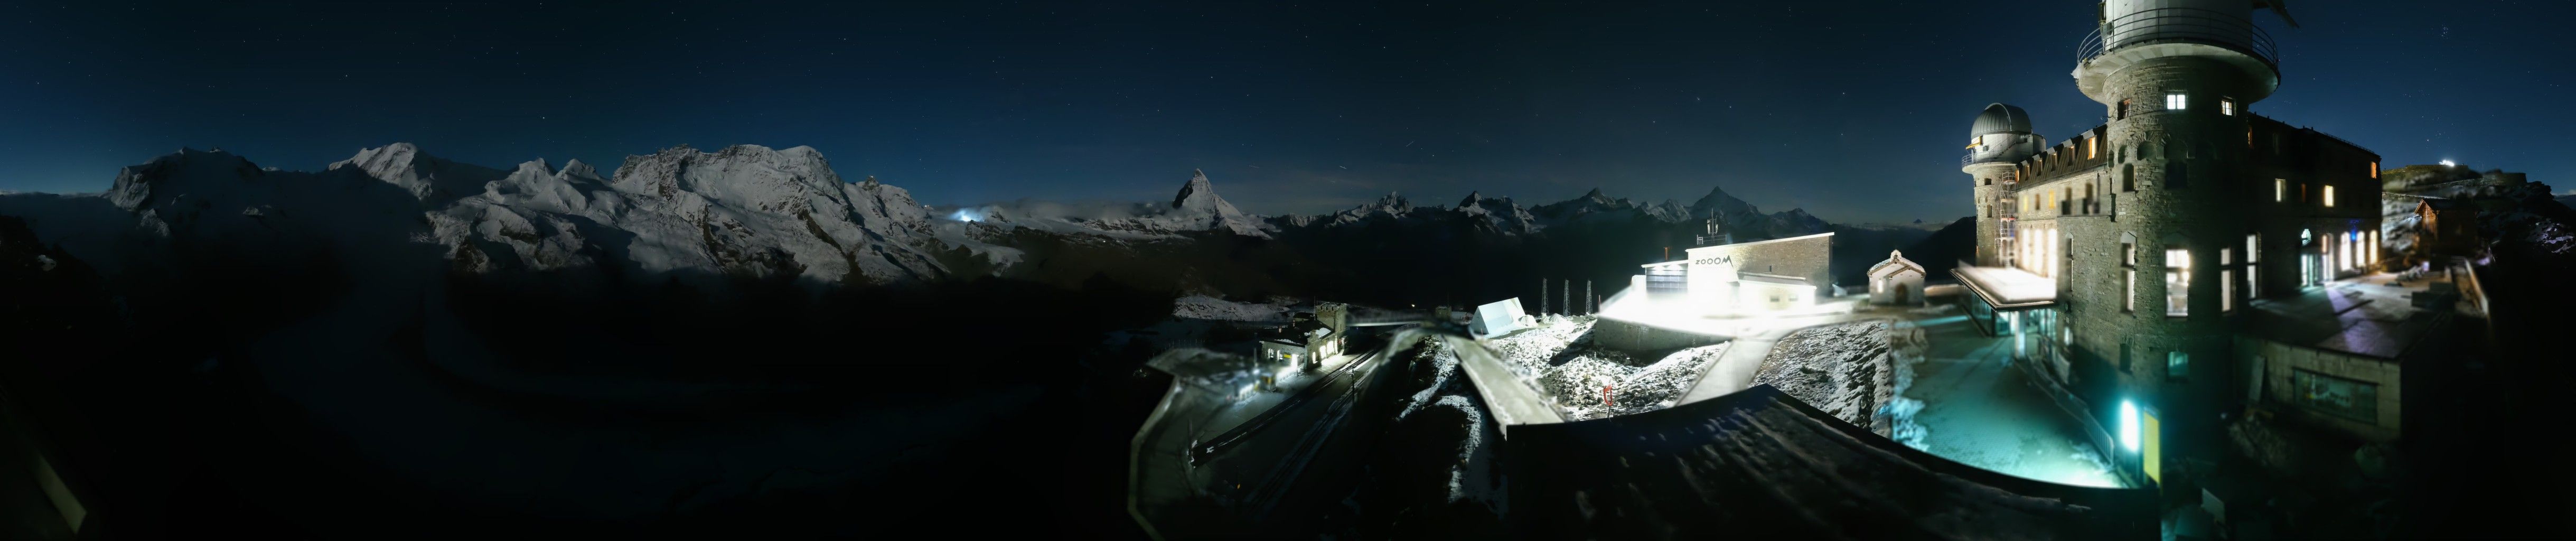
(1845, 370)
(1587, 381)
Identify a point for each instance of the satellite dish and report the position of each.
(2278, 9)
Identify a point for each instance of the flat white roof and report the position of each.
(1800, 237)
(1696, 248)
(2006, 287)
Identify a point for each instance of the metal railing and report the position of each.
(2169, 25)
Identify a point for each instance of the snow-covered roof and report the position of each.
(1760, 463)
(2004, 287)
(1894, 259)
(1800, 237)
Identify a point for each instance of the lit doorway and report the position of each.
(2310, 259)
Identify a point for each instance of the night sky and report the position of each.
(1852, 110)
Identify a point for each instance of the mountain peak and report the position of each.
(1198, 188)
(1198, 207)
(427, 177)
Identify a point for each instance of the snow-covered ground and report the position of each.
(1588, 381)
(1844, 369)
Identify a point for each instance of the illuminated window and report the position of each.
(2091, 148)
(2351, 249)
(2226, 281)
(2280, 190)
(2227, 106)
(2253, 279)
(2177, 282)
(2374, 169)
(2177, 365)
(2175, 102)
(2329, 195)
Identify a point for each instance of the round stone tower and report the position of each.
(2000, 137)
(2175, 77)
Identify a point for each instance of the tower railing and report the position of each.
(2178, 24)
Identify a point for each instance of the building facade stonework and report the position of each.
(2163, 225)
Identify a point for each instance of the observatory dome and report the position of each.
(2000, 118)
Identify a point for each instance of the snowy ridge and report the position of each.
(1503, 215)
(1196, 208)
(744, 211)
(427, 178)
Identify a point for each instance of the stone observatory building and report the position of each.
(2152, 267)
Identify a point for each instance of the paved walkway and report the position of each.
(1979, 410)
(1511, 401)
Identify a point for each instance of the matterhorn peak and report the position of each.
(1197, 188)
(1198, 207)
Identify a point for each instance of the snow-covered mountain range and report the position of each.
(744, 210)
(1503, 215)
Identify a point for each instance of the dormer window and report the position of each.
(2175, 101)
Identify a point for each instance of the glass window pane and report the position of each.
(2341, 397)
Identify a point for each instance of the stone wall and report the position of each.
(2205, 214)
(1630, 336)
(1804, 257)
(1989, 178)
(2280, 359)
